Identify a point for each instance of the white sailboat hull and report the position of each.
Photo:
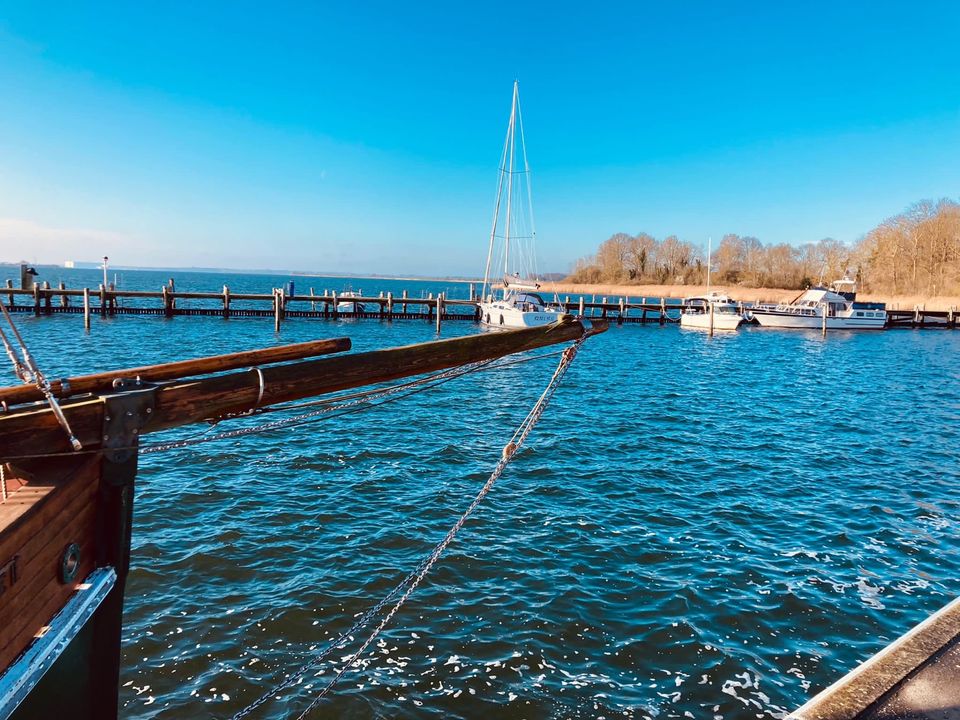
(498, 314)
(701, 321)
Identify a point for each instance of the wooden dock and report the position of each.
(915, 677)
(169, 303)
(44, 300)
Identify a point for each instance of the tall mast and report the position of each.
(512, 136)
(496, 214)
(709, 252)
(531, 268)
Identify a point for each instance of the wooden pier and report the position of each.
(103, 301)
(169, 303)
(916, 677)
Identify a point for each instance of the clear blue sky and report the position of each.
(364, 137)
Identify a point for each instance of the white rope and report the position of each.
(416, 576)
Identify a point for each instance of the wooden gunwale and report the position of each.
(34, 430)
(169, 371)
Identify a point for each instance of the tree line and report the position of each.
(915, 252)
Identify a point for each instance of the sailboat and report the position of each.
(512, 241)
(712, 311)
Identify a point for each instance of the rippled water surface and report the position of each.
(706, 528)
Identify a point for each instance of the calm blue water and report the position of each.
(707, 528)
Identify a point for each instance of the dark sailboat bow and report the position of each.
(66, 515)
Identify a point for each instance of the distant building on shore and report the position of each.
(69, 264)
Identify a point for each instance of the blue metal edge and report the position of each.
(27, 670)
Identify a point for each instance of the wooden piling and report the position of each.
(313, 303)
(103, 300)
(472, 296)
(663, 311)
(36, 300)
(276, 310)
(823, 330)
(10, 295)
(64, 298)
(226, 302)
(86, 309)
(390, 305)
(439, 310)
(333, 303)
(404, 304)
(580, 311)
(711, 320)
(167, 297)
(620, 316)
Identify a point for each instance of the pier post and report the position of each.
(167, 301)
(226, 302)
(711, 320)
(390, 305)
(86, 309)
(580, 312)
(47, 299)
(404, 304)
(663, 311)
(64, 298)
(173, 298)
(36, 300)
(313, 303)
(439, 310)
(472, 297)
(336, 311)
(276, 310)
(823, 330)
(951, 321)
(10, 295)
(111, 300)
(620, 316)
(103, 300)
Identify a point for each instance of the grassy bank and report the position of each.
(740, 294)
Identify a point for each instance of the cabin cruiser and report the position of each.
(839, 303)
(715, 309)
(344, 304)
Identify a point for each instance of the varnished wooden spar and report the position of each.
(28, 430)
(100, 382)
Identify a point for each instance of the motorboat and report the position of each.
(711, 310)
(835, 307)
(344, 304)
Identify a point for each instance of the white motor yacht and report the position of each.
(838, 302)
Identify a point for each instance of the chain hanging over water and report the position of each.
(406, 587)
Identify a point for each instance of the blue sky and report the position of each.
(365, 138)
